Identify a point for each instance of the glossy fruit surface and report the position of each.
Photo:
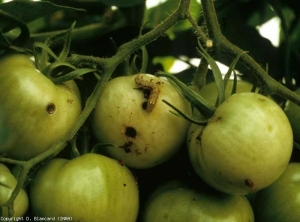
(145, 134)
(292, 111)
(280, 201)
(188, 204)
(243, 148)
(210, 91)
(89, 188)
(35, 113)
(7, 184)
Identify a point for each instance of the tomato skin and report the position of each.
(184, 203)
(143, 139)
(35, 113)
(89, 188)
(280, 201)
(7, 184)
(245, 146)
(292, 111)
(210, 92)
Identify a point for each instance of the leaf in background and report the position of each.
(166, 62)
(123, 3)
(156, 15)
(4, 43)
(294, 38)
(28, 11)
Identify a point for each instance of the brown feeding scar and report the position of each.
(145, 84)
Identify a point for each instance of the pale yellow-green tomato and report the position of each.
(210, 91)
(34, 112)
(292, 110)
(245, 146)
(280, 201)
(184, 203)
(7, 185)
(133, 117)
(88, 188)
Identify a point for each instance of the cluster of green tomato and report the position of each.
(243, 149)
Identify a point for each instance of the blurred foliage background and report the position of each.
(105, 25)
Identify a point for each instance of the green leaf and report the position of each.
(123, 3)
(191, 119)
(24, 34)
(28, 11)
(154, 16)
(4, 43)
(230, 70)
(216, 73)
(41, 61)
(194, 98)
(60, 71)
(166, 61)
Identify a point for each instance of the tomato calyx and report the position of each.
(206, 108)
(60, 70)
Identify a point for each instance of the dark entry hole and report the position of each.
(144, 105)
(130, 132)
(51, 108)
(147, 93)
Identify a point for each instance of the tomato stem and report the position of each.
(106, 67)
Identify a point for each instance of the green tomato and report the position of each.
(89, 188)
(292, 110)
(184, 203)
(7, 185)
(143, 138)
(244, 147)
(280, 201)
(210, 91)
(35, 113)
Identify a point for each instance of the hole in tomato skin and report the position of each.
(147, 93)
(249, 183)
(130, 132)
(126, 146)
(51, 108)
(144, 105)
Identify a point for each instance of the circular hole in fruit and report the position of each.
(130, 132)
(147, 93)
(249, 183)
(144, 105)
(51, 108)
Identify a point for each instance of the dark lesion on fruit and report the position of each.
(51, 108)
(130, 132)
(249, 183)
(127, 146)
(144, 105)
(146, 92)
(150, 91)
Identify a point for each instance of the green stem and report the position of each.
(91, 31)
(269, 85)
(199, 79)
(107, 67)
(203, 37)
(25, 33)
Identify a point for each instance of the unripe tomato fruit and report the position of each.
(280, 201)
(292, 111)
(143, 138)
(7, 185)
(210, 92)
(184, 203)
(245, 146)
(89, 188)
(35, 113)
